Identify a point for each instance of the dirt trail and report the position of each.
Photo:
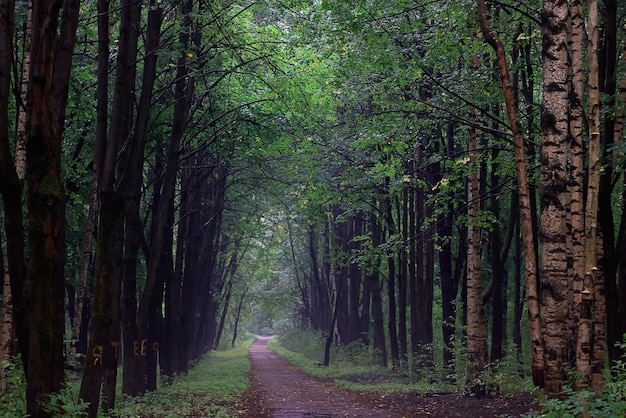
(287, 393)
(280, 390)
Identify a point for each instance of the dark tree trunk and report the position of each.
(413, 229)
(169, 347)
(11, 188)
(102, 310)
(319, 290)
(134, 319)
(238, 316)
(517, 301)
(225, 306)
(111, 213)
(497, 265)
(403, 215)
(391, 288)
(354, 285)
(192, 226)
(41, 310)
(610, 265)
(155, 326)
(110, 358)
(422, 332)
(380, 348)
(449, 282)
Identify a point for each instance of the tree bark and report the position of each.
(6, 325)
(476, 325)
(380, 347)
(525, 200)
(391, 288)
(555, 286)
(582, 328)
(130, 187)
(611, 134)
(111, 214)
(591, 205)
(51, 52)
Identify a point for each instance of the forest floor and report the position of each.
(280, 390)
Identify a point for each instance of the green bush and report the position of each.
(610, 403)
(66, 403)
(14, 397)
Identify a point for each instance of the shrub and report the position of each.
(610, 403)
(14, 397)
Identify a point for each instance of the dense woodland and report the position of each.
(401, 174)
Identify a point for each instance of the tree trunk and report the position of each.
(110, 357)
(517, 292)
(476, 326)
(403, 216)
(554, 196)
(11, 188)
(79, 325)
(225, 306)
(380, 348)
(111, 214)
(51, 53)
(6, 325)
(20, 134)
(449, 286)
(391, 288)
(130, 187)
(238, 316)
(525, 199)
(497, 268)
(591, 205)
(581, 315)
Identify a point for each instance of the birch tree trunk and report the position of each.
(555, 284)
(476, 325)
(591, 207)
(582, 329)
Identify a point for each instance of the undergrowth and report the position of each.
(353, 367)
(610, 403)
(214, 387)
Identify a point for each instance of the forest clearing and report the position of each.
(423, 201)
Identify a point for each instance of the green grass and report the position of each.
(353, 369)
(214, 387)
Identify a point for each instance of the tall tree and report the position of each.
(37, 285)
(554, 195)
(476, 323)
(524, 196)
(108, 269)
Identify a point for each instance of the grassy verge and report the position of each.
(350, 371)
(214, 387)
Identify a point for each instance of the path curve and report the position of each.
(288, 393)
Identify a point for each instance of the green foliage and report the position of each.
(14, 397)
(66, 403)
(213, 388)
(351, 367)
(609, 403)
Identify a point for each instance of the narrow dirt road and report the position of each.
(280, 390)
(287, 393)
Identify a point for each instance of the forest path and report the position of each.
(280, 390)
(286, 392)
